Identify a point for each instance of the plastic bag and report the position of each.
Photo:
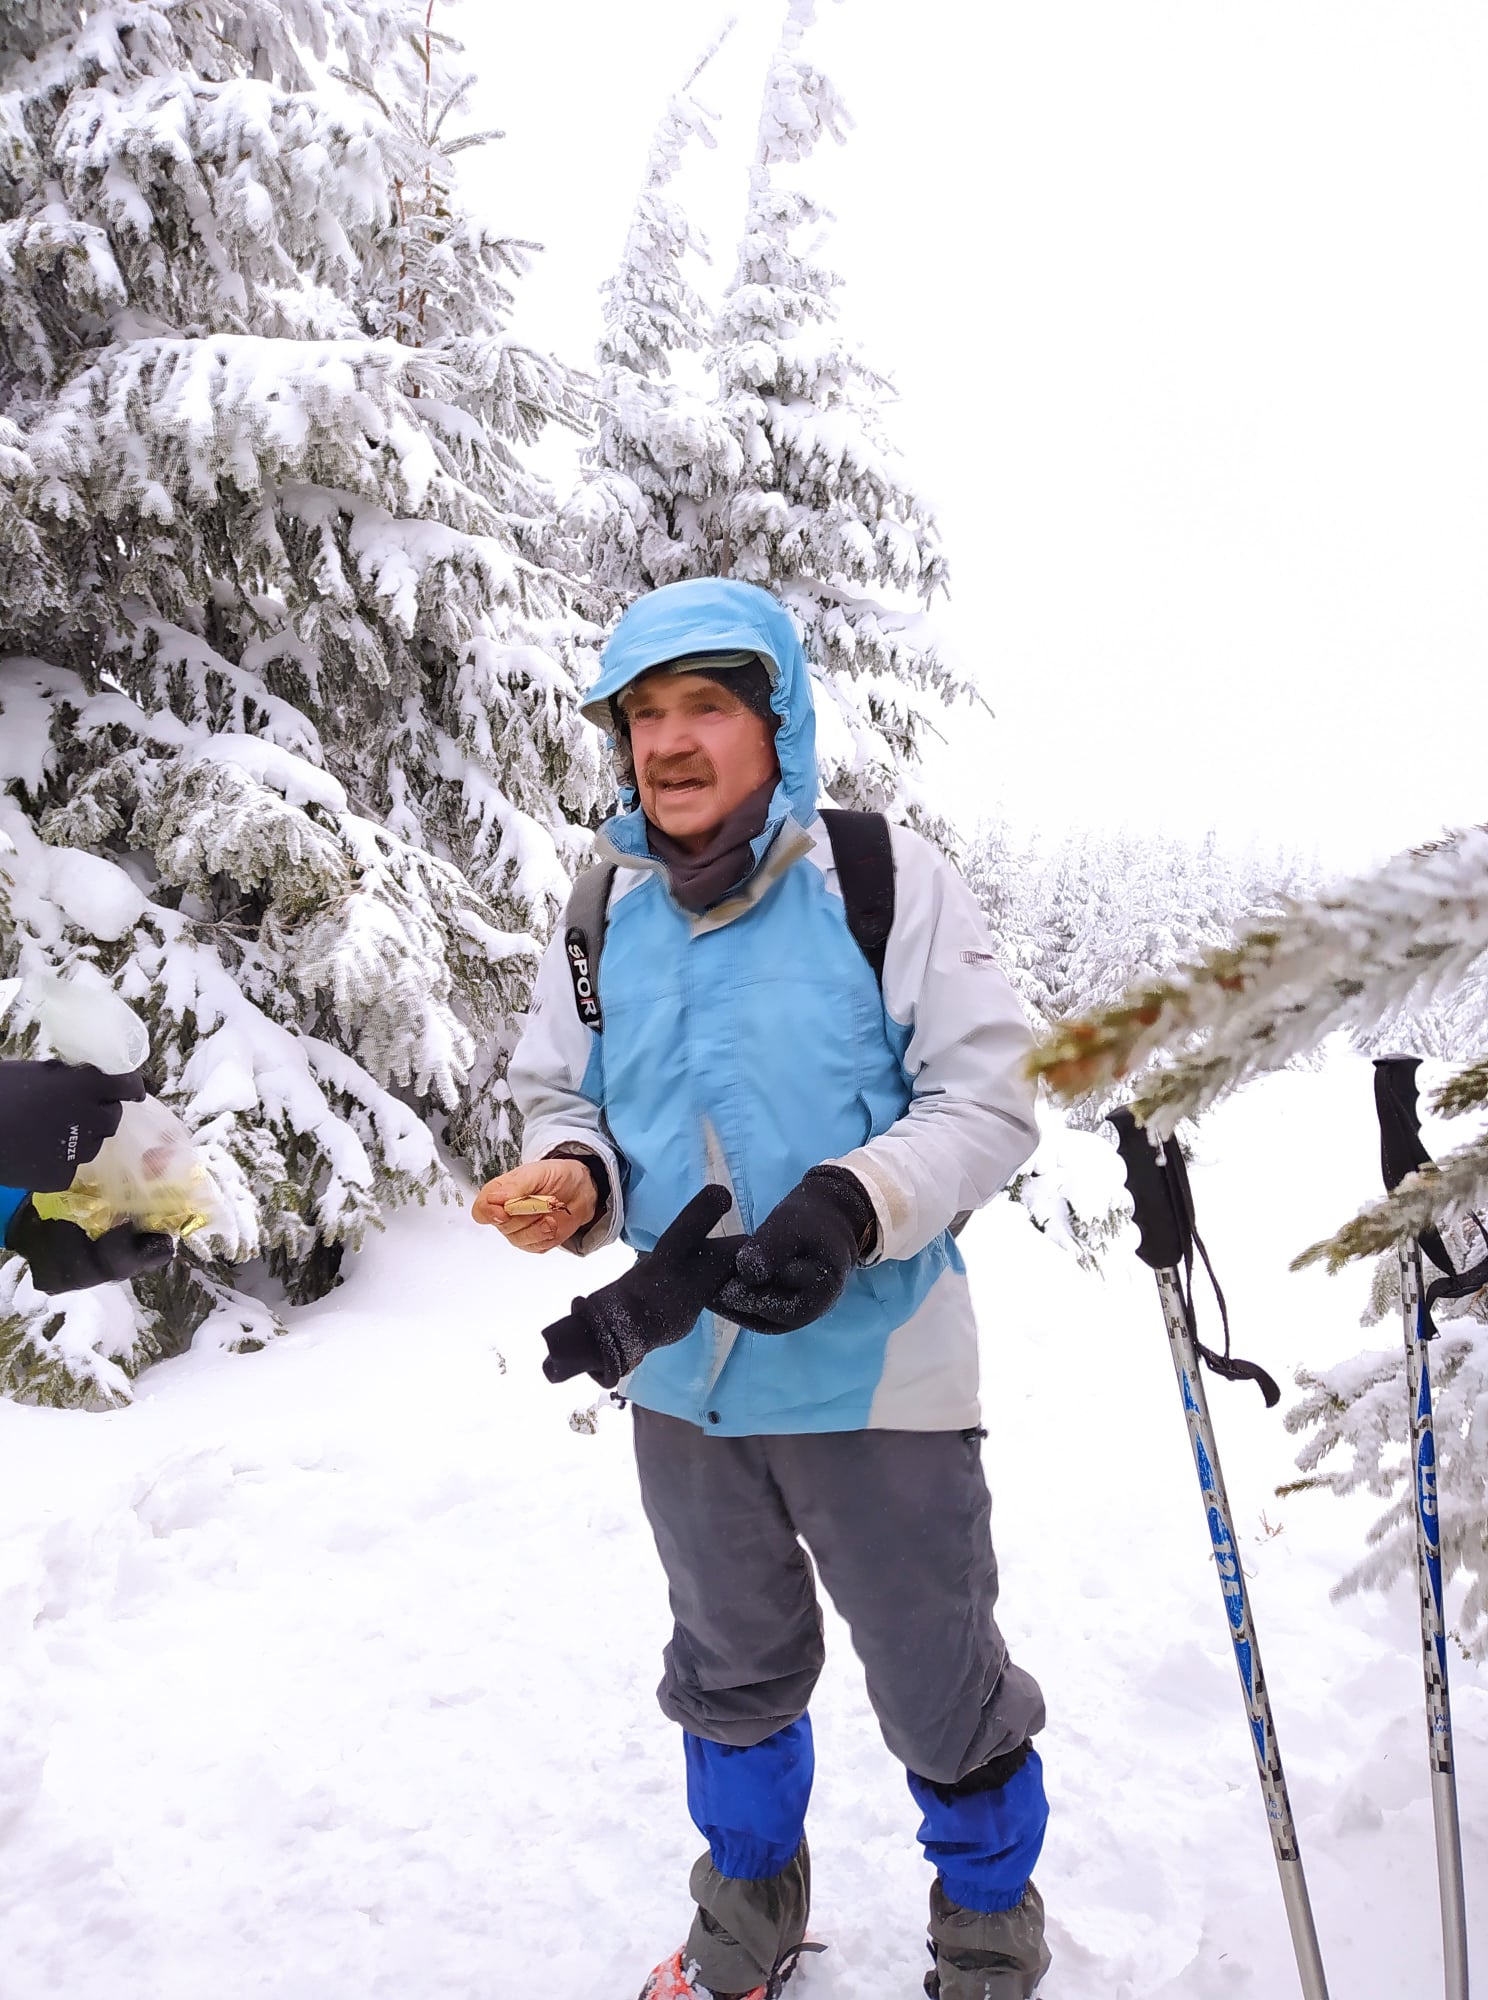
(88, 1024)
(150, 1173)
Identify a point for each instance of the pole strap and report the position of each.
(1162, 1205)
(1403, 1152)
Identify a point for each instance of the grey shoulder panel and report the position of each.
(583, 937)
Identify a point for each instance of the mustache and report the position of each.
(658, 770)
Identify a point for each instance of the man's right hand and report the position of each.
(567, 1182)
(654, 1304)
(54, 1116)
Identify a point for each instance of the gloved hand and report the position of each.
(54, 1116)
(794, 1266)
(64, 1258)
(656, 1303)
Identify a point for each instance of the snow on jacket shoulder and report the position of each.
(752, 1042)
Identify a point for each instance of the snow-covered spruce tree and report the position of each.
(288, 727)
(821, 510)
(1413, 934)
(784, 476)
(999, 866)
(661, 446)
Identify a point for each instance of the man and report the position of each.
(810, 1374)
(54, 1117)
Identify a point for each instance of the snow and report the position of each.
(91, 892)
(27, 689)
(301, 783)
(1073, 1187)
(328, 1670)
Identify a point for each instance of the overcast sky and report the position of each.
(1187, 306)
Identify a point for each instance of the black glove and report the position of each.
(54, 1116)
(794, 1266)
(656, 1302)
(64, 1258)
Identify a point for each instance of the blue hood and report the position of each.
(718, 615)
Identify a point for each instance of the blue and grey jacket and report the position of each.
(751, 1042)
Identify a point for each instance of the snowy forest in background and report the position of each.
(295, 614)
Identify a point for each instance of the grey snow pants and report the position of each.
(899, 1525)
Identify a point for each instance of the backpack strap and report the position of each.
(583, 937)
(863, 852)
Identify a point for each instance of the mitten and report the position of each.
(64, 1258)
(794, 1266)
(655, 1303)
(54, 1116)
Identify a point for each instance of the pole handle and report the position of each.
(1403, 1152)
(1162, 1207)
(1397, 1103)
(1164, 1223)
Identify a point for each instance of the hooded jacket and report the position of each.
(750, 1042)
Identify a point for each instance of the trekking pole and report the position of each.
(1163, 1205)
(1402, 1153)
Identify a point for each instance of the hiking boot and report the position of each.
(979, 1955)
(746, 1936)
(744, 1931)
(677, 1979)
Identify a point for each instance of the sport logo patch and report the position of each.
(585, 997)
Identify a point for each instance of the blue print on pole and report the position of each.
(1426, 1507)
(1227, 1562)
(1246, 1661)
(1426, 1480)
(1206, 1470)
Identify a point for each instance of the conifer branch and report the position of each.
(1350, 958)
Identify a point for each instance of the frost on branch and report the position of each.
(1071, 925)
(1370, 950)
(1076, 925)
(1361, 1409)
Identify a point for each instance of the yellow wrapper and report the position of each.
(171, 1212)
(533, 1204)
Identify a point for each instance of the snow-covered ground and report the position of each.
(326, 1673)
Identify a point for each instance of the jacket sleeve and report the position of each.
(550, 1065)
(970, 1123)
(10, 1200)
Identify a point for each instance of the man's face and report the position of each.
(698, 753)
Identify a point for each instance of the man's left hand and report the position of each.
(64, 1258)
(54, 1116)
(794, 1266)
